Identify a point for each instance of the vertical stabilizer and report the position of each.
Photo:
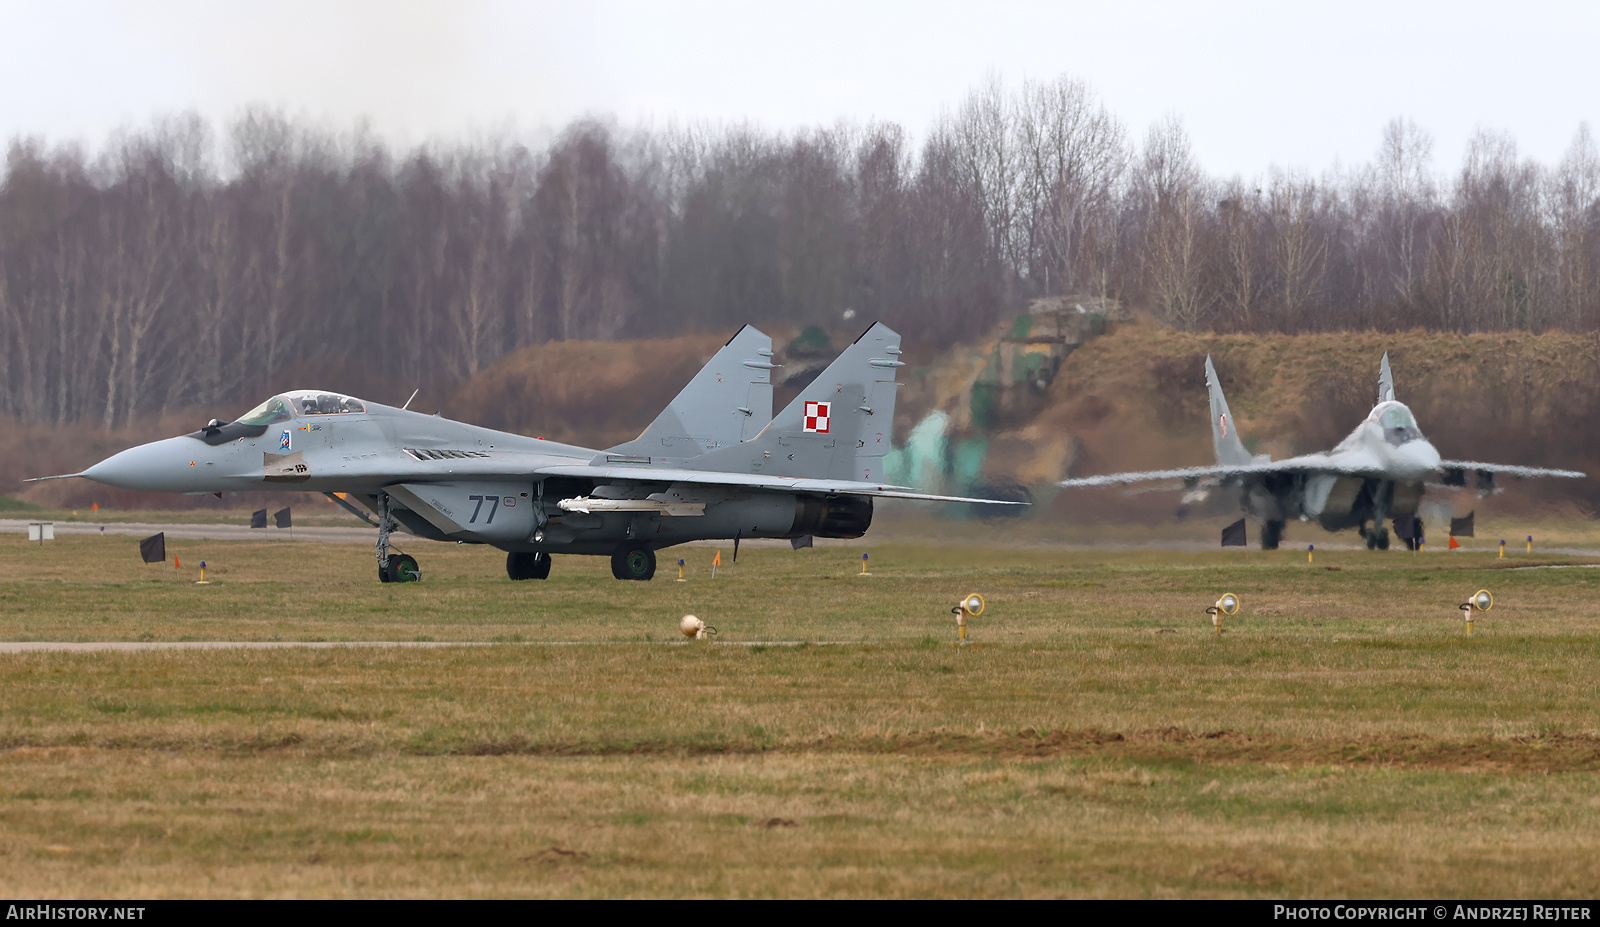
(839, 427)
(728, 401)
(1385, 380)
(1224, 434)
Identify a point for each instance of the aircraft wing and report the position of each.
(756, 481)
(1309, 463)
(1509, 470)
(1348, 465)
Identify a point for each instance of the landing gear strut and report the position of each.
(1271, 535)
(633, 561)
(1378, 537)
(392, 568)
(528, 566)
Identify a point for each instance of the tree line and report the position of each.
(184, 264)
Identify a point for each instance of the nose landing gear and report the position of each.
(392, 568)
(403, 569)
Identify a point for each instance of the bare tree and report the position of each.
(983, 135)
(1298, 252)
(1240, 210)
(1074, 153)
(1406, 197)
(1575, 204)
(1172, 188)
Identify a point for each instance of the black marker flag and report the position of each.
(154, 548)
(258, 518)
(1462, 527)
(281, 516)
(1233, 535)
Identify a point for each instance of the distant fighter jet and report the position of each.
(711, 466)
(1375, 473)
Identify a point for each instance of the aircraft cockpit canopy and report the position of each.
(316, 402)
(271, 412)
(1399, 425)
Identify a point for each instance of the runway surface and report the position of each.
(135, 646)
(351, 535)
(356, 534)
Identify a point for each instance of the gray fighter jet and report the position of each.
(704, 469)
(1379, 471)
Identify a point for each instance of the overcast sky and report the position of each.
(1257, 84)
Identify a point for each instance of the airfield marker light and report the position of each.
(680, 569)
(1310, 550)
(1227, 605)
(1530, 543)
(864, 566)
(1481, 601)
(202, 581)
(695, 629)
(970, 606)
(1502, 549)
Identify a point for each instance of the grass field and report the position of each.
(1344, 737)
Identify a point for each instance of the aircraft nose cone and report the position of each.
(160, 466)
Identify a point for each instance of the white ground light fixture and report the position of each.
(1227, 605)
(970, 606)
(694, 628)
(1481, 601)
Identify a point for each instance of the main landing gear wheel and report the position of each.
(527, 566)
(402, 569)
(636, 563)
(1271, 535)
(1378, 539)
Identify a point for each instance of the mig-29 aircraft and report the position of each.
(704, 469)
(1377, 472)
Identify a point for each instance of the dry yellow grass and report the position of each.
(1342, 739)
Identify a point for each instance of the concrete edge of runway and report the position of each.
(15, 647)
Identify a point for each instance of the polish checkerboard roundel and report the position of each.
(817, 417)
